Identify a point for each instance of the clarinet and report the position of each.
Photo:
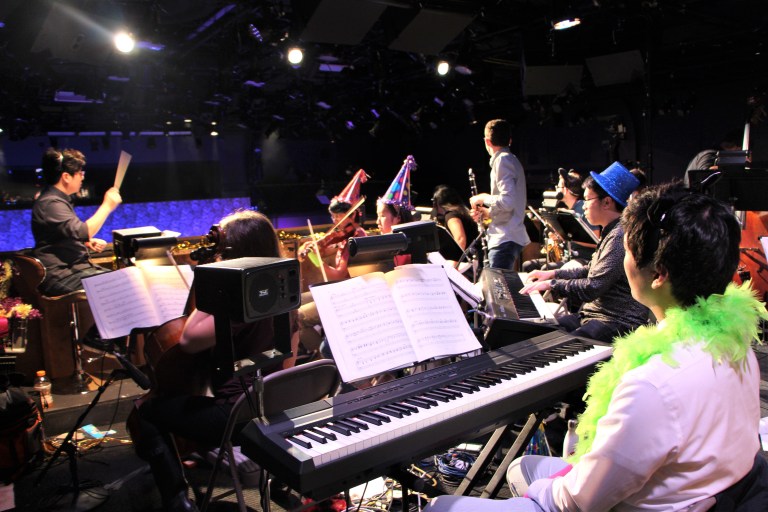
(480, 225)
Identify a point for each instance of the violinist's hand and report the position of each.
(96, 244)
(538, 280)
(304, 249)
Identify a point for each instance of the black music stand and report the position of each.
(570, 226)
(744, 189)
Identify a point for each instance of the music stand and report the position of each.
(744, 190)
(569, 226)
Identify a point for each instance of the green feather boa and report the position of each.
(726, 323)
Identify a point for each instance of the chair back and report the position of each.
(292, 387)
(30, 274)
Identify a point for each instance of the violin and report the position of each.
(340, 232)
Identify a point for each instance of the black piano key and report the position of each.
(370, 419)
(501, 375)
(395, 413)
(418, 403)
(468, 383)
(460, 388)
(405, 410)
(381, 417)
(489, 378)
(359, 424)
(407, 407)
(436, 396)
(341, 429)
(300, 442)
(424, 398)
(448, 393)
(353, 426)
(328, 435)
(519, 368)
(477, 382)
(316, 438)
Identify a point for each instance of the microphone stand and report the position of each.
(84, 496)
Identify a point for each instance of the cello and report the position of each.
(172, 371)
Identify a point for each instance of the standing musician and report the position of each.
(506, 203)
(662, 415)
(203, 418)
(61, 239)
(608, 308)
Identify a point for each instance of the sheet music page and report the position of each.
(470, 292)
(363, 326)
(430, 311)
(168, 289)
(120, 301)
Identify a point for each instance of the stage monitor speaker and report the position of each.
(122, 238)
(248, 289)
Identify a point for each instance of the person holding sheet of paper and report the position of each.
(203, 418)
(62, 240)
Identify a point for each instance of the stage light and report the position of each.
(214, 133)
(565, 23)
(443, 68)
(295, 56)
(124, 42)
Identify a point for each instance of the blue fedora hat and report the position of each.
(617, 181)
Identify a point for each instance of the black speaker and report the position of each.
(248, 289)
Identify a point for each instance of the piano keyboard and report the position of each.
(327, 446)
(501, 290)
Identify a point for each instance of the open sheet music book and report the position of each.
(134, 297)
(379, 322)
(464, 288)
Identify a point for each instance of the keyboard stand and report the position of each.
(488, 452)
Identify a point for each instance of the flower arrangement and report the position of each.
(13, 307)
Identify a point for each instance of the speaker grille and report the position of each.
(262, 291)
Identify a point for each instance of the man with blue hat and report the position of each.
(608, 309)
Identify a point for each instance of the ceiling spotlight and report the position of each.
(565, 23)
(295, 56)
(124, 42)
(214, 133)
(443, 68)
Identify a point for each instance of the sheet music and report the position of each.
(136, 297)
(431, 313)
(363, 326)
(470, 292)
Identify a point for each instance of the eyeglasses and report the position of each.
(588, 199)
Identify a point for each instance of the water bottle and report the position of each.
(43, 386)
(569, 443)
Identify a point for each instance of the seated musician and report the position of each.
(607, 309)
(394, 207)
(570, 192)
(450, 211)
(350, 225)
(62, 240)
(663, 414)
(203, 418)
